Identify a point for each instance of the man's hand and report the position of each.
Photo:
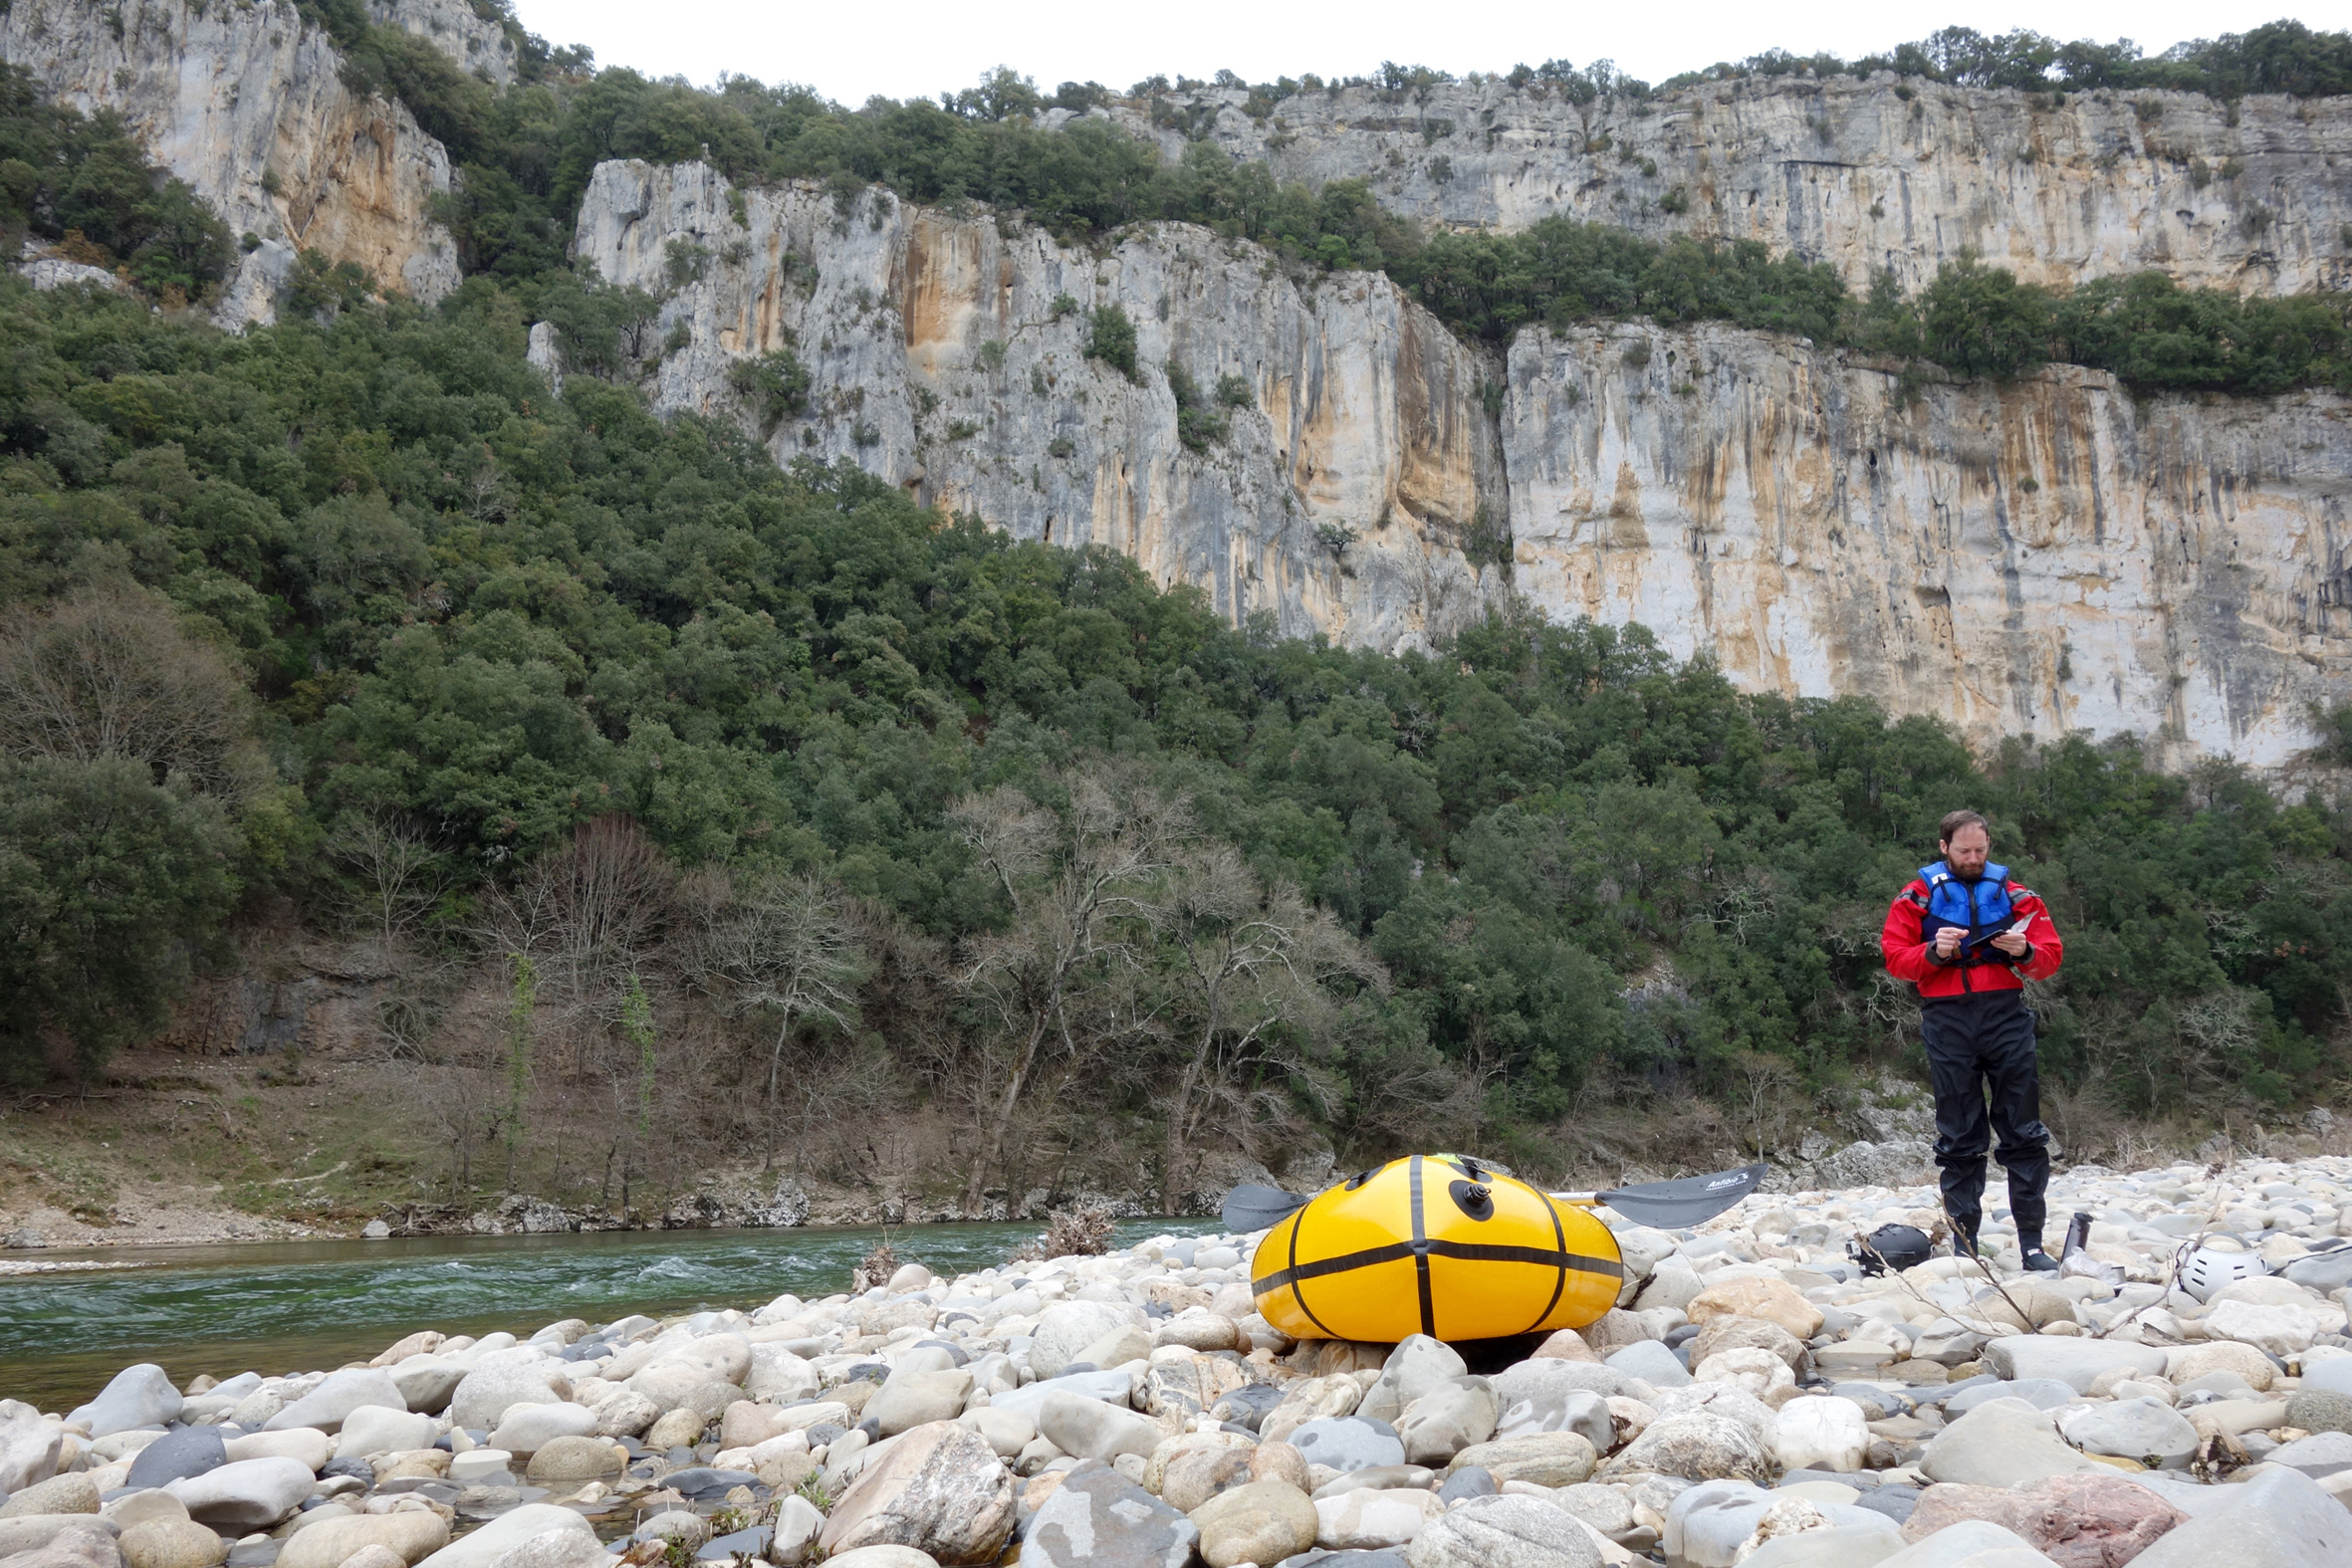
(2012, 942)
(1947, 940)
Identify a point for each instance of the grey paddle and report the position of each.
(1251, 1207)
(1685, 1202)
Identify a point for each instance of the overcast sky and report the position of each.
(918, 47)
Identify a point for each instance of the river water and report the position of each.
(295, 1306)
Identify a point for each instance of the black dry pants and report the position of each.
(1982, 1046)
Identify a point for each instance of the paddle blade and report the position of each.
(1250, 1206)
(1689, 1201)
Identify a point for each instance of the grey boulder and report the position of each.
(1446, 1419)
(140, 1395)
(1417, 1365)
(529, 1428)
(562, 1547)
(28, 1532)
(2319, 1455)
(1840, 1546)
(30, 1448)
(383, 1428)
(178, 1455)
(915, 1399)
(1098, 1519)
(882, 1557)
(504, 1379)
(2333, 1375)
(2040, 1393)
(485, 1546)
(1700, 1446)
(1536, 1380)
(82, 1542)
(2146, 1430)
(941, 1489)
(1503, 1532)
(2279, 1517)
(427, 1382)
(246, 1494)
(1650, 1361)
(2077, 1363)
(1710, 1524)
(2325, 1273)
(1093, 1430)
(326, 1406)
(1349, 1442)
(2006, 1443)
(1564, 1410)
(1971, 1543)
(1067, 1327)
(1108, 1387)
(777, 1376)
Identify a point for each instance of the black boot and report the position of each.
(2036, 1261)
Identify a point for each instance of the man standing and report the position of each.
(1970, 938)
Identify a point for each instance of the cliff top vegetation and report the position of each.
(525, 156)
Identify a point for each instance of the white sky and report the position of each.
(916, 48)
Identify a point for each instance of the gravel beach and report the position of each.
(2181, 1396)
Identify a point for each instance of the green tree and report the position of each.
(110, 884)
(1981, 321)
(64, 177)
(773, 386)
(1110, 338)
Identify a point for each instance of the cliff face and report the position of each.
(2044, 556)
(246, 103)
(949, 356)
(477, 45)
(2040, 558)
(1863, 174)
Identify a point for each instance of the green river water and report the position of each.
(296, 1307)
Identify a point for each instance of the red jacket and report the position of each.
(1910, 957)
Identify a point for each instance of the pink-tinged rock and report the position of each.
(2078, 1521)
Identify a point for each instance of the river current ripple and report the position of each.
(276, 1307)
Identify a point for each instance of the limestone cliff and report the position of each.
(246, 103)
(2040, 558)
(2045, 556)
(1863, 174)
(948, 355)
(476, 44)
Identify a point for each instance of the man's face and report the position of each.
(1965, 853)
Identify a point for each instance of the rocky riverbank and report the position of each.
(1756, 1398)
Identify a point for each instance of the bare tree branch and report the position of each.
(783, 947)
(1076, 878)
(109, 673)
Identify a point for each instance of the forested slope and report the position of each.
(630, 765)
(472, 619)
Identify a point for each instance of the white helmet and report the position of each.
(2211, 1267)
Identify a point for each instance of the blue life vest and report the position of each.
(1975, 907)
